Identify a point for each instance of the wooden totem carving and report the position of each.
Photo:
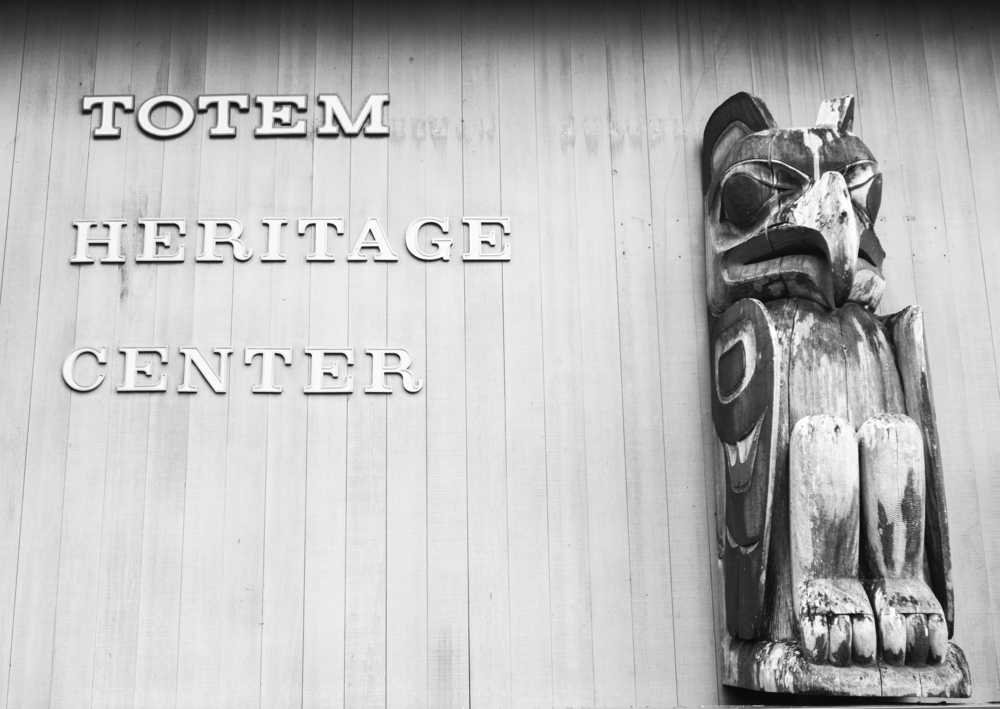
(833, 531)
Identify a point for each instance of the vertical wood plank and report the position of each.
(569, 573)
(81, 580)
(489, 619)
(530, 632)
(281, 664)
(645, 456)
(125, 471)
(769, 60)
(157, 644)
(406, 457)
(201, 642)
(803, 64)
(447, 502)
(45, 334)
(958, 199)
(722, 34)
(323, 658)
(248, 422)
(603, 440)
(680, 287)
(367, 424)
(12, 41)
(980, 101)
(19, 292)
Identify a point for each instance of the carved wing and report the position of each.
(906, 330)
(745, 408)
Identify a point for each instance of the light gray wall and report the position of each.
(536, 527)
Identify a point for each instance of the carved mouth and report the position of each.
(785, 261)
(777, 243)
(794, 241)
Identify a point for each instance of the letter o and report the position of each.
(149, 105)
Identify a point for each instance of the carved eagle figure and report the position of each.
(833, 528)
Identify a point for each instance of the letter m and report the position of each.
(336, 119)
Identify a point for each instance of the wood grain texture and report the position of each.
(131, 296)
(570, 612)
(651, 569)
(200, 640)
(537, 527)
(247, 450)
(679, 265)
(79, 602)
(527, 527)
(607, 485)
(19, 293)
(158, 637)
(38, 560)
(282, 586)
(932, 222)
(367, 422)
(447, 418)
(980, 98)
(326, 472)
(486, 474)
(406, 465)
(971, 272)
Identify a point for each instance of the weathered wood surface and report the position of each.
(907, 328)
(152, 559)
(831, 607)
(748, 367)
(794, 279)
(781, 667)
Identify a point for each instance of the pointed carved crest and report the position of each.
(837, 113)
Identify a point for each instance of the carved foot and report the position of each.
(911, 625)
(836, 623)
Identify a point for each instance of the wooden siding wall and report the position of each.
(535, 528)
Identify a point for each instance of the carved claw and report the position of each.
(836, 625)
(841, 640)
(937, 632)
(864, 640)
(911, 625)
(838, 640)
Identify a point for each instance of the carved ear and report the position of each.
(737, 116)
(836, 113)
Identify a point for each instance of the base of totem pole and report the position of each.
(767, 666)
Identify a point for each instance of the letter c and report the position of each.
(69, 364)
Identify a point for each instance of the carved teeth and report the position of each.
(740, 452)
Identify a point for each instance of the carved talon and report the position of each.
(836, 624)
(937, 632)
(911, 625)
(838, 639)
(864, 640)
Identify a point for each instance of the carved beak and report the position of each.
(826, 209)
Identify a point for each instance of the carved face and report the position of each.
(790, 212)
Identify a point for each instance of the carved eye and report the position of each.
(753, 187)
(743, 200)
(874, 199)
(785, 179)
(865, 184)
